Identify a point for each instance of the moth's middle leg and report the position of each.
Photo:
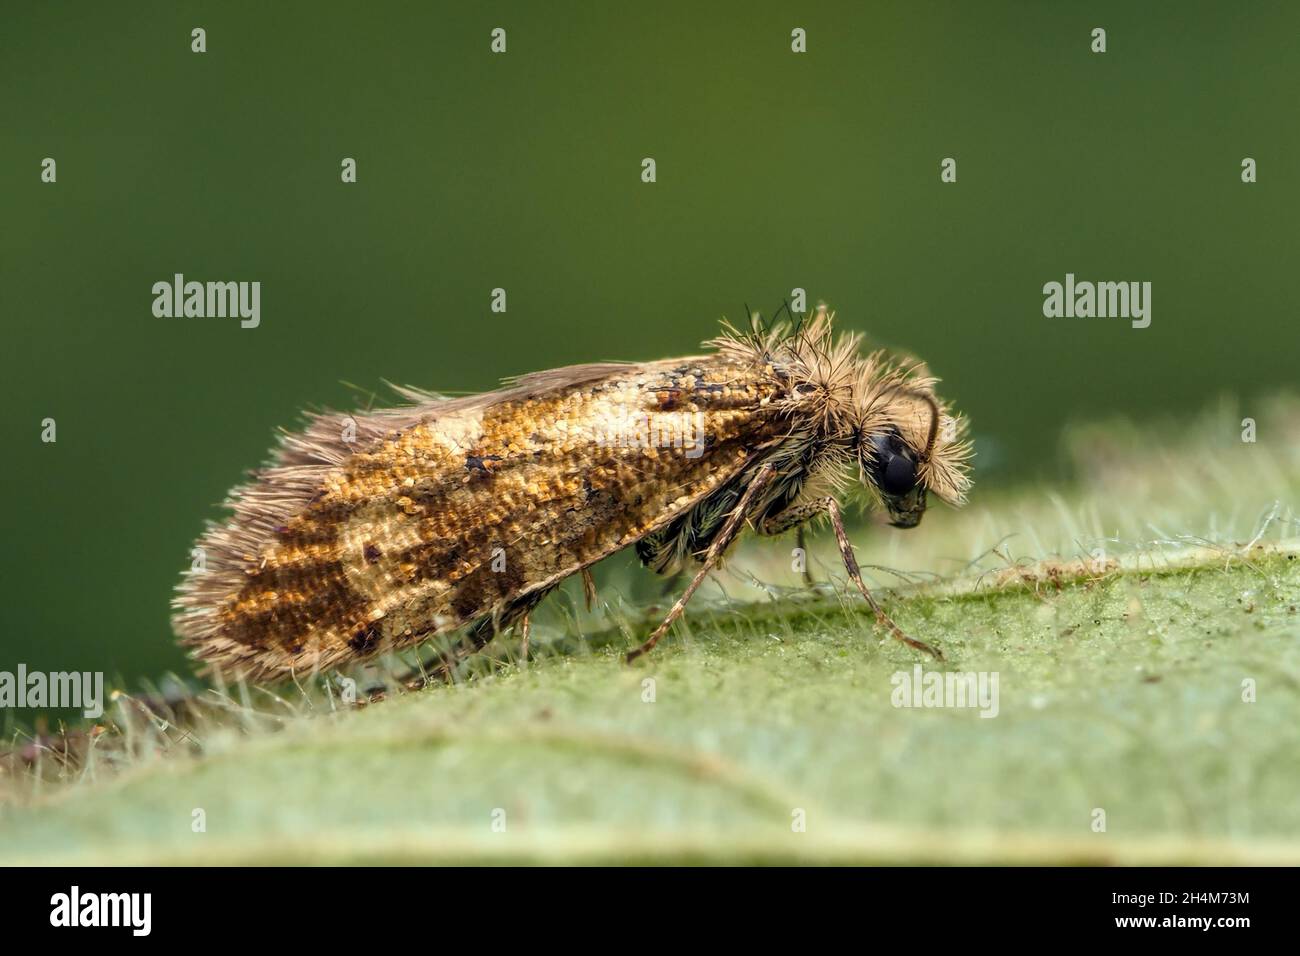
(800, 542)
(798, 515)
(711, 558)
(795, 516)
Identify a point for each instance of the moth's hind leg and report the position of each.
(440, 668)
(525, 628)
(798, 515)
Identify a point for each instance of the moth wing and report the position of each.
(456, 508)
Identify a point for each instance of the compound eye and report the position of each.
(894, 467)
(898, 477)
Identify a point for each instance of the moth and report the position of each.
(371, 532)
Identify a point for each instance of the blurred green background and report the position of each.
(522, 171)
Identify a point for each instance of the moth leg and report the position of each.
(801, 543)
(719, 545)
(795, 516)
(439, 669)
(588, 588)
(851, 565)
(524, 628)
(798, 514)
(480, 634)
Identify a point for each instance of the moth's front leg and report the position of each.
(798, 514)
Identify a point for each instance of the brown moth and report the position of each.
(371, 532)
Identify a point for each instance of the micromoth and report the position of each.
(370, 532)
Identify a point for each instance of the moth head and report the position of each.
(892, 468)
(909, 447)
(877, 409)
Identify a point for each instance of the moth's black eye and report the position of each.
(894, 466)
(898, 477)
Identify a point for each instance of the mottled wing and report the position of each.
(454, 509)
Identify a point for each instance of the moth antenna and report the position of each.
(798, 321)
(755, 325)
(934, 426)
(935, 415)
(785, 307)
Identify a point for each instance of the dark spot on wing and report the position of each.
(668, 398)
(481, 464)
(365, 639)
